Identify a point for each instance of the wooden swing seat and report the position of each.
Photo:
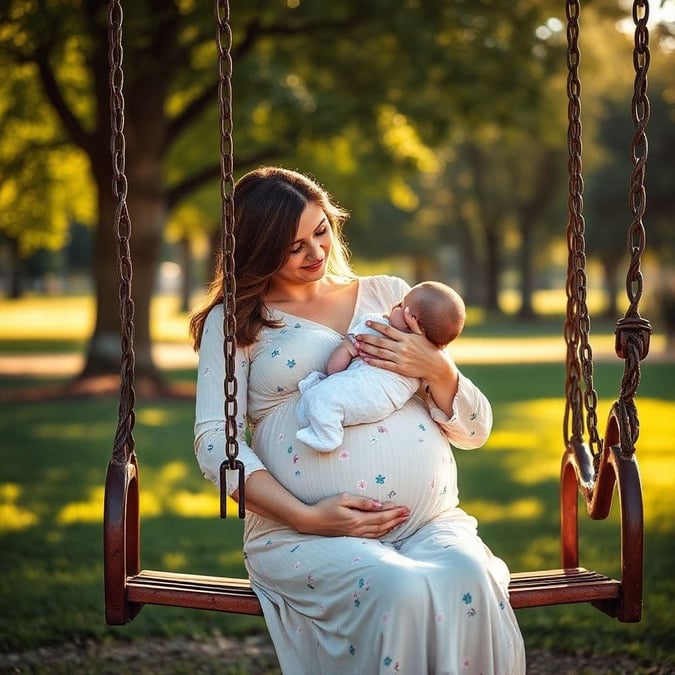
(129, 588)
(222, 594)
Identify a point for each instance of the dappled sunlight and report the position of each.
(491, 512)
(656, 461)
(531, 429)
(196, 505)
(538, 553)
(150, 504)
(153, 417)
(12, 516)
(174, 561)
(234, 557)
(71, 432)
(88, 511)
(529, 434)
(172, 472)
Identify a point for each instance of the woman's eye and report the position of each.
(297, 249)
(321, 232)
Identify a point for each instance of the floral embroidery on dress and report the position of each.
(361, 484)
(382, 429)
(275, 353)
(379, 479)
(344, 455)
(291, 363)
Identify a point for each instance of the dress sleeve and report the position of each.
(210, 405)
(471, 421)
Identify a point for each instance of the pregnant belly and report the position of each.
(404, 459)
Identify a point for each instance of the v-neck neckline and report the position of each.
(355, 312)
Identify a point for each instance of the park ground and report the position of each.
(220, 651)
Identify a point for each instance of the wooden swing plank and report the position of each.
(222, 594)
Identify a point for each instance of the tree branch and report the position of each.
(53, 92)
(253, 32)
(176, 193)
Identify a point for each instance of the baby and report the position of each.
(353, 392)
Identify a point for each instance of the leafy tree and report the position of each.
(319, 81)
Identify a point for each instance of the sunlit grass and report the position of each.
(54, 455)
(71, 318)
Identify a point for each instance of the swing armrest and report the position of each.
(121, 531)
(617, 468)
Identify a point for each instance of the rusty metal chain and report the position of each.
(123, 445)
(224, 46)
(577, 322)
(632, 331)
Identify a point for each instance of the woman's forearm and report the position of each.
(443, 382)
(265, 496)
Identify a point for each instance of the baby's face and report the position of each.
(396, 317)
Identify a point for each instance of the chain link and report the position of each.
(577, 324)
(224, 46)
(123, 445)
(632, 331)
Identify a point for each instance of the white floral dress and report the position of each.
(428, 598)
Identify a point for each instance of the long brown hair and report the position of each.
(268, 203)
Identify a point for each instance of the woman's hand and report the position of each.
(409, 354)
(412, 355)
(347, 515)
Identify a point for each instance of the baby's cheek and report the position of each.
(396, 318)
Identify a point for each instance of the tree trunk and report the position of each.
(147, 213)
(610, 266)
(15, 276)
(526, 310)
(187, 277)
(493, 269)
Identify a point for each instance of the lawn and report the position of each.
(54, 455)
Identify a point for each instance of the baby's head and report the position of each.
(439, 310)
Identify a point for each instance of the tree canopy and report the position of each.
(393, 106)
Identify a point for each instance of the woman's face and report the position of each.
(309, 251)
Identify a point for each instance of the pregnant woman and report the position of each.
(361, 558)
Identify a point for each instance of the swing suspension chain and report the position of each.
(224, 46)
(577, 323)
(123, 444)
(632, 331)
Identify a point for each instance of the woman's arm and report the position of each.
(412, 355)
(341, 515)
(457, 405)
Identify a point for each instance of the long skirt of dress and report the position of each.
(436, 602)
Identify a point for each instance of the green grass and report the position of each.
(54, 454)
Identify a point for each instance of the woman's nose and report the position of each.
(314, 251)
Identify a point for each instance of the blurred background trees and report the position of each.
(440, 126)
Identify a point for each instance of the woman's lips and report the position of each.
(314, 267)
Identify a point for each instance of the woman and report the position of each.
(361, 558)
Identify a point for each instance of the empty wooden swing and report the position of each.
(592, 468)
